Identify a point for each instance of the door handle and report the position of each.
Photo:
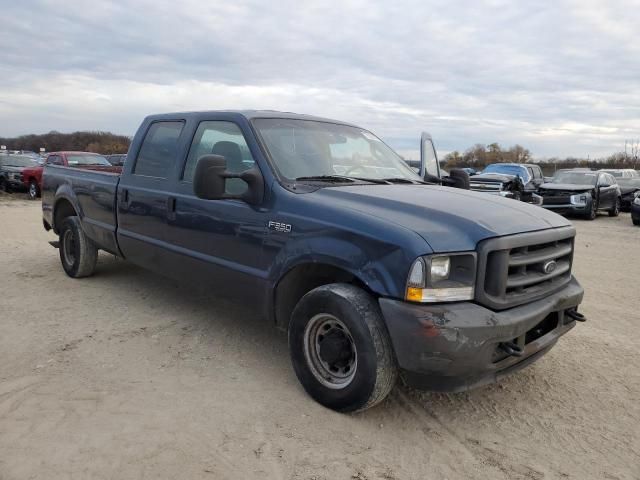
(171, 208)
(124, 198)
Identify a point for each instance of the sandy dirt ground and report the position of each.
(130, 375)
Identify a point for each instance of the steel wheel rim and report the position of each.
(32, 190)
(69, 248)
(337, 372)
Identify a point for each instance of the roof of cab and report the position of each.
(248, 114)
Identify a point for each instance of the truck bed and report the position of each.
(92, 194)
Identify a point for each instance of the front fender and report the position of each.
(381, 267)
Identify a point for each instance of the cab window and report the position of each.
(225, 139)
(159, 149)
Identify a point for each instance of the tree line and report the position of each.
(479, 156)
(98, 142)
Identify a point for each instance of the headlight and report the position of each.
(442, 278)
(580, 199)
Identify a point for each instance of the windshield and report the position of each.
(514, 170)
(16, 161)
(304, 148)
(87, 159)
(575, 178)
(615, 173)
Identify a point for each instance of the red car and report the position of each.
(32, 177)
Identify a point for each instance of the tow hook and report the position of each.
(512, 349)
(574, 314)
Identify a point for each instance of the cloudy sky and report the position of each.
(560, 77)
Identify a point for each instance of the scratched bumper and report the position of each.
(455, 347)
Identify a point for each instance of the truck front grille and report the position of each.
(522, 268)
(485, 186)
(556, 197)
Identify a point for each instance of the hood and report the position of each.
(493, 177)
(449, 219)
(13, 168)
(566, 186)
(628, 184)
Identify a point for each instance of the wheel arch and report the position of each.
(301, 279)
(62, 209)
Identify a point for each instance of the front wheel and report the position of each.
(78, 253)
(34, 190)
(615, 211)
(340, 348)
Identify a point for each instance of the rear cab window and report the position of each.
(159, 148)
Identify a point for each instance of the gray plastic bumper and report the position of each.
(457, 346)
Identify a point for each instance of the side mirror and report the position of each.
(457, 178)
(210, 178)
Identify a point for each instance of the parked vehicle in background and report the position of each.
(635, 209)
(470, 171)
(582, 192)
(519, 181)
(619, 173)
(325, 229)
(117, 159)
(629, 182)
(11, 171)
(32, 177)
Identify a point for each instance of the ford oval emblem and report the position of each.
(549, 266)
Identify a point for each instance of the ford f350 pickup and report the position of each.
(373, 272)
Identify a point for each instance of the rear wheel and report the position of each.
(340, 348)
(615, 211)
(78, 253)
(4, 186)
(34, 190)
(636, 221)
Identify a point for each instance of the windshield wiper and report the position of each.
(326, 178)
(404, 180)
(340, 179)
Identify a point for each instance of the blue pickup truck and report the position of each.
(374, 273)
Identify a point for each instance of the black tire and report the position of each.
(636, 221)
(517, 196)
(362, 341)
(34, 190)
(78, 254)
(615, 211)
(593, 212)
(4, 186)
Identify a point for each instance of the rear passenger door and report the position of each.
(144, 201)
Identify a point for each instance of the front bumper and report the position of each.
(457, 346)
(569, 208)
